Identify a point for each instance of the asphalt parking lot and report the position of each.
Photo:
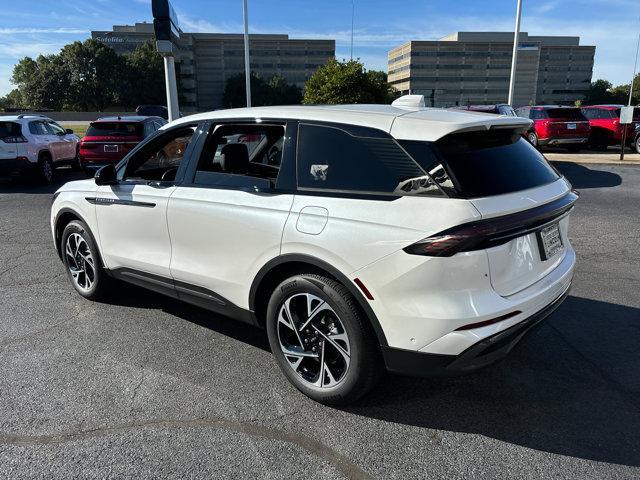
(146, 387)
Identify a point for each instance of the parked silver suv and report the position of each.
(34, 144)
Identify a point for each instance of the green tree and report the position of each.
(94, 71)
(347, 82)
(276, 91)
(603, 92)
(13, 99)
(142, 82)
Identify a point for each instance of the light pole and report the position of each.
(635, 66)
(247, 65)
(353, 11)
(514, 58)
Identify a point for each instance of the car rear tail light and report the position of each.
(15, 139)
(491, 232)
(22, 159)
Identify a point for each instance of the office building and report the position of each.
(206, 60)
(474, 68)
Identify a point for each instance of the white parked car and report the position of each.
(34, 144)
(362, 238)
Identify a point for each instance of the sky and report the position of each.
(44, 26)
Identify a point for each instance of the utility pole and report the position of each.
(247, 64)
(353, 10)
(623, 141)
(514, 58)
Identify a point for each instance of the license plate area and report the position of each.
(111, 149)
(571, 126)
(549, 241)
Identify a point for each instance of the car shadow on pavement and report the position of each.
(31, 185)
(137, 297)
(572, 388)
(584, 177)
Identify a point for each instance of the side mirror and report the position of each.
(68, 131)
(106, 175)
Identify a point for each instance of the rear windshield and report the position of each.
(483, 164)
(10, 129)
(114, 128)
(566, 114)
(636, 114)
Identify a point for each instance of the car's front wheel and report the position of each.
(81, 259)
(637, 144)
(321, 340)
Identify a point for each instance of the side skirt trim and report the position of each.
(186, 292)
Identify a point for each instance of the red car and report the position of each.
(109, 139)
(605, 125)
(557, 126)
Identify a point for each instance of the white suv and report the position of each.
(362, 237)
(35, 144)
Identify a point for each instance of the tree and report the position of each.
(603, 92)
(13, 99)
(143, 81)
(94, 71)
(347, 82)
(274, 92)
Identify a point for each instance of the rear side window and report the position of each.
(484, 164)
(566, 114)
(97, 129)
(330, 158)
(10, 129)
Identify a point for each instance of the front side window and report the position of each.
(160, 159)
(244, 155)
(333, 159)
(56, 129)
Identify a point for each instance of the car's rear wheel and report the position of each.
(637, 144)
(533, 139)
(321, 341)
(81, 259)
(45, 169)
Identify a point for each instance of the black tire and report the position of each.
(533, 139)
(75, 165)
(100, 281)
(45, 169)
(365, 367)
(637, 144)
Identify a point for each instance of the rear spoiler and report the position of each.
(427, 126)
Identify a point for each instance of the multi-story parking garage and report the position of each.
(207, 60)
(474, 68)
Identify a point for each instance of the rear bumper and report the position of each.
(563, 141)
(15, 167)
(479, 355)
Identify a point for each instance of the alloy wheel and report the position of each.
(533, 139)
(80, 262)
(313, 340)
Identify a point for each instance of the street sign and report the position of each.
(626, 115)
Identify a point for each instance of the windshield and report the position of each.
(10, 129)
(101, 129)
(566, 114)
(483, 164)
